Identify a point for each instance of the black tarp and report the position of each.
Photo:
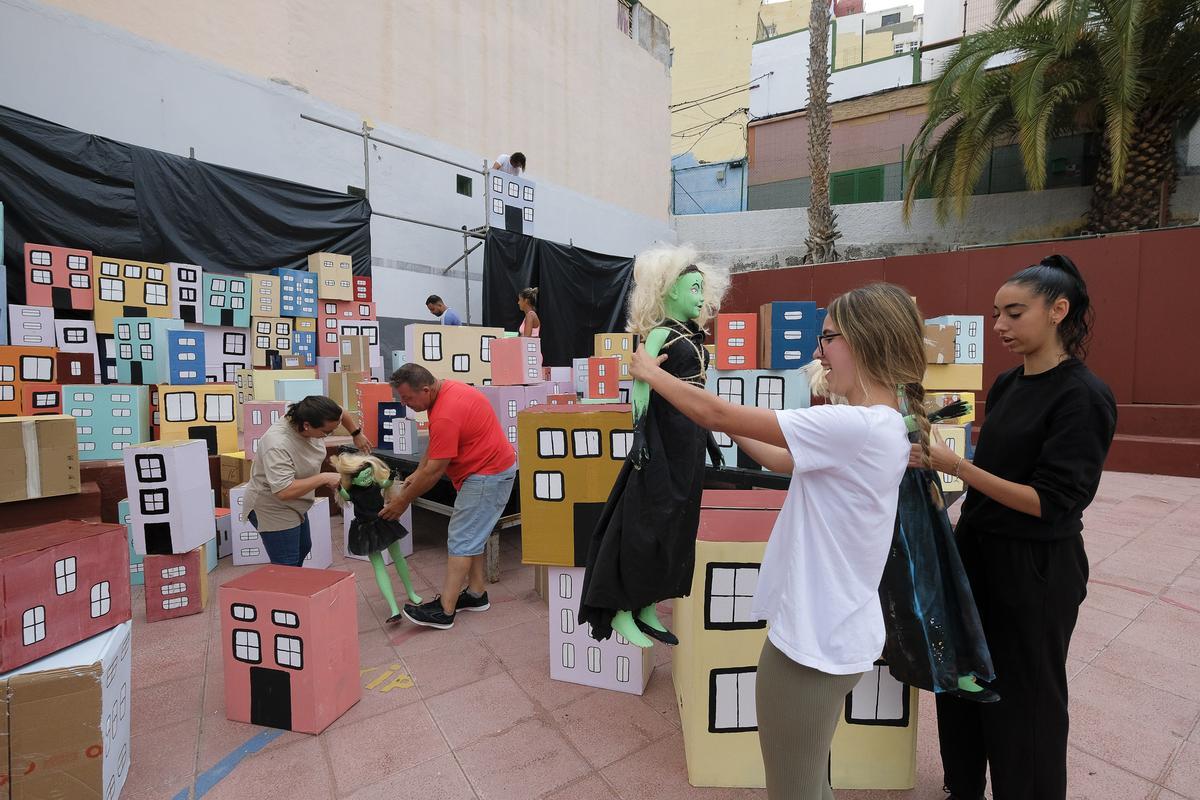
(63, 187)
(580, 293)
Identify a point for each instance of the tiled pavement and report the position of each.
(480, 717)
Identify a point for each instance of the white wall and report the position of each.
(102, 80)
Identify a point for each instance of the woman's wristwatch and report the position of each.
(355, 434)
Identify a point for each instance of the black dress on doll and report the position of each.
(643, 549)
(368, 533)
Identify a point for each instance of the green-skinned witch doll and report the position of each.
(365, 481)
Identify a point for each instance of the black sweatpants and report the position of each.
(1028, 593)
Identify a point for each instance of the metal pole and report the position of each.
(460, 258)
(467, 273)
(390, 144)
(429, 224)
(366, 137)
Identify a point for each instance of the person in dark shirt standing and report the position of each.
(1037, 466)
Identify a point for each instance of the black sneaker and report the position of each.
(430, 614)
(467, 603)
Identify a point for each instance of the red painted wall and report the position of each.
(1143, 287)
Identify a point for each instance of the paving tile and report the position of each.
(1126, 567)
(1090, 778)
(479, 709)
(606, 726)
(449, 667)
(1093, 631)
(220, 736)
(1123, 699)
(659, 771)
(1152, 669)
(520, 644)
(1116, 600)
(297, 770)
(410, 640)
(1184, 775)
(549, 694)
(502, 614)
(439, 778)
(1100, 544)
(371, 750)
(162, 704)
(162, 762)
(1132, 746)
(591, 787)
(386, 687)
(660, 694)
(1168, 631)
(525, 761)
(1163, 556)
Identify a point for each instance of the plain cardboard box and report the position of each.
(951, 377)
(235, 470)
(39, 457)
(64, 721)
(939, 343)
(354, 352)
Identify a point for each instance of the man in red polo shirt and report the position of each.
(466, 443)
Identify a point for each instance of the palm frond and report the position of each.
(1119, 50)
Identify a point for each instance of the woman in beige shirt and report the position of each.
(287, 473)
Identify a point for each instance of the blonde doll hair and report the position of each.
(654, 271)
(348, 465)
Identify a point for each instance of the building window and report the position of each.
(243, 612)
(188, 275)
(731, 390)
(621, 442)
(7, 373)
(177, 571)
(112, 290)
(283, 329)
(264, 327)
(262, 342)
(889, 19)
(237, 287)
(431, 346)
(42, 276)
(736, 341)
(548, 486)
(594, 660)
(286, 619)
(512, 434)
(45, 399)
(180, 407)
(217, 301)
(722, 439)
(729, 595)
(101, 599)
(552, 443)
(736, 325)
(731, 700)
(235, 344)
(133, 271)
(218, 408)
(587, 443)
(289, 651)
(566, 621)
(81, 281)
(109, 268)
(39, 257)
(154, 501)
(76, 369)
(568, 655)
(156, 294)
(126, 351)
(463, 185)
(150, 468)
(217, 285)
(187, 294)
(485, 348)
(737, 360)
(878, 699)
(64, 575)
(246, 646)
(75, 335)
(147, 351)
(462, 362)
(600, 370)
(174, 588)
(768, 391)
(174, 602)
(33, 625)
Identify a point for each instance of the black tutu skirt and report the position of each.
(368, 533)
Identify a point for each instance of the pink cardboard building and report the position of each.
(291, 647)
(257, 416)
(516, 361)
(60, 584)
(603, 378)
(176, 585)
(58, 277)
(508, 401)
(575, 657)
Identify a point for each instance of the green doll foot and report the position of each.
(624, 624)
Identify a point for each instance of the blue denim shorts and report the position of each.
(481, 501)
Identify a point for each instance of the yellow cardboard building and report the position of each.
(716, 662)
(570, 456)
(123, 288)
(458, 352)
(620, 345)
(334, 275)
(264, 294)
(270, 335)
(206, 411)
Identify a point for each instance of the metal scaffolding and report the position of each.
(467, 234)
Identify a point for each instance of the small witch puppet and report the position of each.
(643, 549)
(365, 480)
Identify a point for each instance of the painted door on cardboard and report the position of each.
(206, 433)
(271, 698)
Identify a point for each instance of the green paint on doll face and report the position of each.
(685, 300)
(365, 477)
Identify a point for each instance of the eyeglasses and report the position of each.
(823, 339)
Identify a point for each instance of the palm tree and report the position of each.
(822, 222)
(1127, 68)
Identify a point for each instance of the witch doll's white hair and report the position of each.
(654, 271)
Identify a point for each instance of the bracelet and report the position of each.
(958, 466)
(356, 433)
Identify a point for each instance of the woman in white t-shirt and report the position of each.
(818, 588)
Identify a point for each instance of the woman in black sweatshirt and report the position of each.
(1037, 466)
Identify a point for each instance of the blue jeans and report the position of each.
(481, 501)
(289, 547)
